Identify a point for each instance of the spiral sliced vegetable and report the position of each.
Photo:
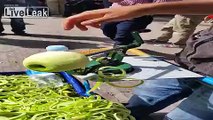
(110, 77)
(21, 99)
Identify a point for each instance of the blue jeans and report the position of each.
(198, 106)
(120, 32)
(155, 95)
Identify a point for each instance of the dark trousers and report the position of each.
(120, 32)
(1, 12)
(17, 24)
(106, 3)
(78, 6)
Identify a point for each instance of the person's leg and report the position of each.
(18, 25)
(1, 25)
(124, 28)
(185, 27)
(1, 13)
(32, 3)
(195, 107)
(109, 29)
(67, 9)
(61, 6)
(167, 31)
(155, 95)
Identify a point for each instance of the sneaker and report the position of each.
(181, 38)
(169, 45)
(165, 36)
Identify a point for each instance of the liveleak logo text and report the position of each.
(26, 12)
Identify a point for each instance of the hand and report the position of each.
(95, 17)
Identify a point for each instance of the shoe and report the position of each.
(2, 34)
(181, 38)
(165, 36)
(22, 33)
(169, 45)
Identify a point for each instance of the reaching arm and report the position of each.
(182, 7)
(96, 17)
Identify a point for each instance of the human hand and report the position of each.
(95, 17)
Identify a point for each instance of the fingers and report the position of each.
(68, 23)
(91, 18)
(96, 21)
(71, 21)
(75, 20)
(96, 25)
(81, 27)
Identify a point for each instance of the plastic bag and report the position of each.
(45, 79)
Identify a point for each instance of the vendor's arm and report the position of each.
(96, 17)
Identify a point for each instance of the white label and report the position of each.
(26, 12)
